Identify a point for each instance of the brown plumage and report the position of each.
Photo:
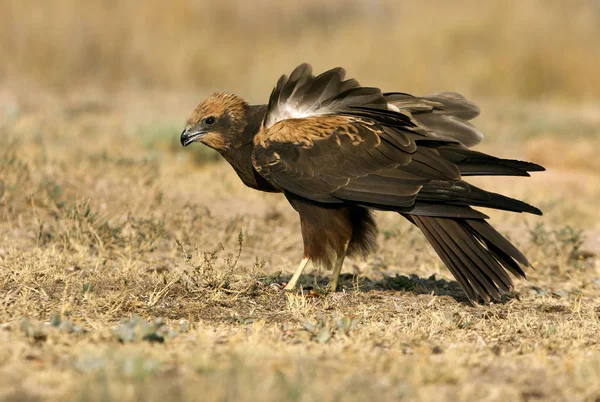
(338, 150)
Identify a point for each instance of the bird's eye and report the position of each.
(210, 120)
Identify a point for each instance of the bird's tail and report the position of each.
(476, 254)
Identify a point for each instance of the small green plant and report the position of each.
(137, 329)
(38, 331)
(326, 327)
(34, 330)
(66, 326)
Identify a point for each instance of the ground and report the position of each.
(133, 269)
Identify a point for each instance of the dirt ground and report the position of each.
(133, 269)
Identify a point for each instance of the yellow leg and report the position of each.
(335, 276)
(292, 283)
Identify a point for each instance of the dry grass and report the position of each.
(131, 269)
(100, 223)
(500, 48)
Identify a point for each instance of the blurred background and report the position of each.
(109, 79)
(534, 49)
(118, 78)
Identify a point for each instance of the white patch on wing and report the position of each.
(288, 111)
(293, 113)
(393, 107)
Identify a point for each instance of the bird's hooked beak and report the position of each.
(190, 135)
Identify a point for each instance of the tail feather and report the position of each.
(463, 193)
(491, 235)
(480, 274)
(506, 260)
(447, 256)
(473, 163)
(475, 253)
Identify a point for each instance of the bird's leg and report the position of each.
(292, 283)
(336, 270)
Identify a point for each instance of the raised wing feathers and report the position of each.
(329, 140)
(442, 115)
(303, 94)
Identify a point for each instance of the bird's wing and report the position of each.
(329, 158)
(442, 115)
(329, 140)
(302, 95)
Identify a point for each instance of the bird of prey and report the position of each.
(338, 150)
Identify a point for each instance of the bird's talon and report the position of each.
(288, 288)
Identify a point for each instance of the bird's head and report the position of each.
(217, 122)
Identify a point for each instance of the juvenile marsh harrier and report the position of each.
(338, 150)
